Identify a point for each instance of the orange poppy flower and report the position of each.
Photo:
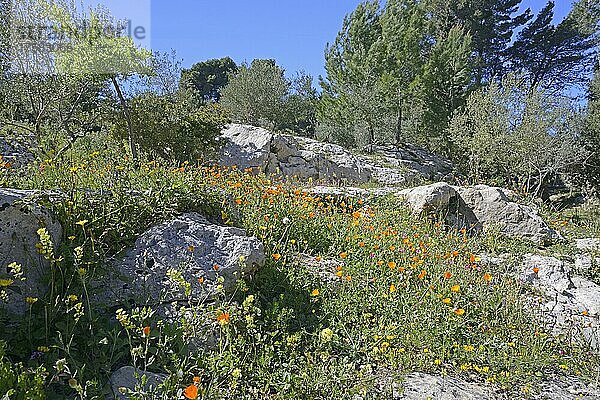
(536, 270)
(391, 264)
(196, 379)
(223, 318)
(487, 277)
(422, 274)
(459, 311)
(146, 330)
(191, 392)
(344, 254)
(276, 256)
(447, 275)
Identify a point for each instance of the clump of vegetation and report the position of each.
(113, 154)
(407, 295)
(503, 135)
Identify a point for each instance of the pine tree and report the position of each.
(558, 56)
(591, 133)
(491, 24)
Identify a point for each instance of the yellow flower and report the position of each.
(315, 292)
(455, 288)
(6, 282)
(31, 300)
(447, 300)
(344, 254)
(459, 311)
(82, 222)
(326, 335)
(392, 288)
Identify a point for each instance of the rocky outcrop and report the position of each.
(419, 386)
(187, 250)
(20, 220)
(127, 380)
(479, 208)
(16, 150)
(589, 244)
(569, 304)
(304, 158)
(245, 146)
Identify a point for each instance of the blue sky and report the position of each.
(292, 32)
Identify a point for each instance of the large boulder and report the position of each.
(480, 208)
(20, 220)
(496, 207)
(210, 257)
(568, 303)
(429, 198)
(245, 146)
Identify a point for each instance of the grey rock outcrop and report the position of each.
(123, 382)
(419, 386)
(569, 304)
(479, 208)
(245, 146)
(205, 254)
(20, 220)
(589, 244)
(303, 158)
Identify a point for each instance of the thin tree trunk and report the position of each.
(130, 132)
(399, 120)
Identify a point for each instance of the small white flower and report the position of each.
(285, 220)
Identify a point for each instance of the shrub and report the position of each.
(515, 135)
(173, 127)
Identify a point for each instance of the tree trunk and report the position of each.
(399, 120)
(130, 131)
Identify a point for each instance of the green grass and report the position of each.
(411, 295)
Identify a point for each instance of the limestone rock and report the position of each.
(569, 304)
(494, 207)
(124, 381)
(591, 244)
(20, 219)
(420, 386)
(568, 388)
(479, 208)
(304, 158)
(245, 146)
(193, 246)
(429, 198)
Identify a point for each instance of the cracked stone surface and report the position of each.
(20, 219)
(569, 304)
